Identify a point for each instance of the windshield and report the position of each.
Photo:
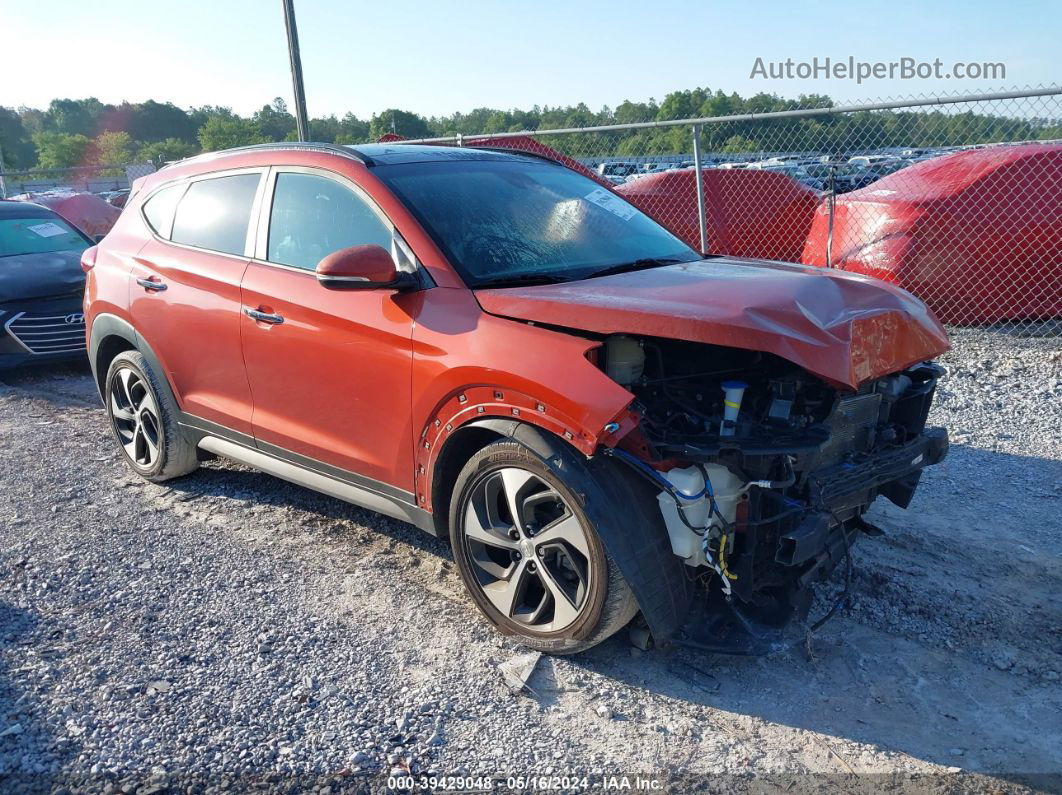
(38, 236)
(514, 220)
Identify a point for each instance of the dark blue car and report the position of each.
(41, 286)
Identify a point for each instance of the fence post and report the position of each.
(701, 223)
(830, 197)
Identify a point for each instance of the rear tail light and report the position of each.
(88, 259)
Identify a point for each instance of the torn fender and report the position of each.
(843, 327)
(468, 364)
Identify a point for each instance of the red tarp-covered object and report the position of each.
(89, 213)
(976, 234)
(748, 213)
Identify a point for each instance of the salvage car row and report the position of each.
(836, 173)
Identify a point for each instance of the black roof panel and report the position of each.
(390, 154)
(16, 209)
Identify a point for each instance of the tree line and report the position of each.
(73, 132)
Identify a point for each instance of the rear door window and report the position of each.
(313, 216)
(214, 213)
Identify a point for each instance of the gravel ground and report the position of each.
(230, 629)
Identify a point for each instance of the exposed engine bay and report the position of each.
(765, 471)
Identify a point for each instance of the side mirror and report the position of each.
(367, 267)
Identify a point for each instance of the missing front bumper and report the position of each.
(893, 474)
(875, 470)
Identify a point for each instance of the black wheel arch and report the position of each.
(110, 335)
(628, 519)
(464, 443)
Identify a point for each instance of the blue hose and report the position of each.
(666, 484)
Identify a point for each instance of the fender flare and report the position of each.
(628, 521)
(476, 403)
(105, 326)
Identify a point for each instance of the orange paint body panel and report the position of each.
(332, 382)
(194, 327)
(468, 365)
(844, 328)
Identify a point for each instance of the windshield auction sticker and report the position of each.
(47, 229)
(611, 202)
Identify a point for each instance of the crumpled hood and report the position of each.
(27, 276)
(843, 327)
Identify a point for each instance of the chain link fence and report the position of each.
(955, 198)
(86, 179)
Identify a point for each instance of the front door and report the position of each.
(329, 370)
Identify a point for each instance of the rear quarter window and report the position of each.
(214, 213)
(158, 210)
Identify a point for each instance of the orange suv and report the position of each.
(507, 354)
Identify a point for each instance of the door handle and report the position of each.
(264, 317)
(152, 285)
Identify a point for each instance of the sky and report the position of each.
(435, 58)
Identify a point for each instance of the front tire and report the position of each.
(144, 420)
(530, 556)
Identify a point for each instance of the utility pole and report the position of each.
(296, 71)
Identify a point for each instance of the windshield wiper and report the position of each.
(636, 265)
(528, 279)
(524, 280)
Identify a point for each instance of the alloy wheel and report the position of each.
(529, 551)
(135, 416)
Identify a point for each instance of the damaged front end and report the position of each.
(764, 471)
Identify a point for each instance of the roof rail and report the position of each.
(299, 146)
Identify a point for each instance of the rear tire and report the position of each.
(144, 420)
(529, 555)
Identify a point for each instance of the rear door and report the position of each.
(185, 291)
(329, 369)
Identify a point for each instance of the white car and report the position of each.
(618, 171)
(866, 161)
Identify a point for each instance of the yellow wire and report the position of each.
(722, 559)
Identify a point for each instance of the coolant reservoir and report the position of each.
(686, 543)
(624, 359)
